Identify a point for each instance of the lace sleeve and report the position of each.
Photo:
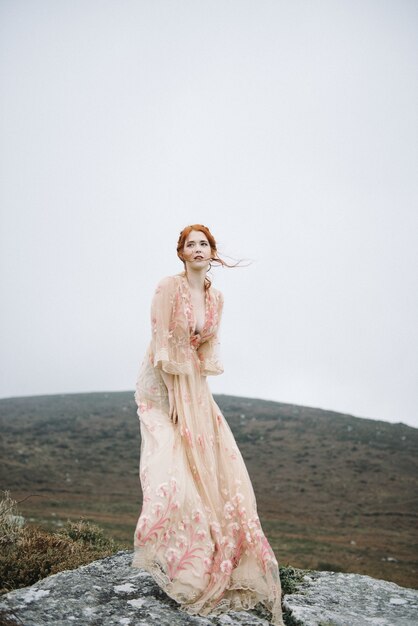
(170, 343)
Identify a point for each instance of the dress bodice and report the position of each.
(176, 346)
(211, 320)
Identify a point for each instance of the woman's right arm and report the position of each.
(169, 354)
(171, 359)
(169, 383)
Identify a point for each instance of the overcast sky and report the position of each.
(287, 127)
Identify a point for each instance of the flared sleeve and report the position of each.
(209, 351)
(169, 343)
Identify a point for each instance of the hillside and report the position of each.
(334, 491)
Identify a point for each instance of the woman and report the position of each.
(198, 534)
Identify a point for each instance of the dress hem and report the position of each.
(193, 607)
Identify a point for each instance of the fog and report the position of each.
(289, 128)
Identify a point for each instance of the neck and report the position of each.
(196, 278)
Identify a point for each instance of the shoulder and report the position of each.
(167, 283)
(169, 280)
(217, 295)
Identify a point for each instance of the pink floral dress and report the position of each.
(198, 534)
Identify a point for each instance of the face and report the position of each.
(195, 246)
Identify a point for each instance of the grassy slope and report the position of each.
(333, 491)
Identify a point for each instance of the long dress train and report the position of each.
(198, 533)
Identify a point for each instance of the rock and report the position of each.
(105, 593)
(110, 591)
(336, 599)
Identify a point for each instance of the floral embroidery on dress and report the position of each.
(187, 536)
(183, 540)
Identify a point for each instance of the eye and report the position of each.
(204, 243)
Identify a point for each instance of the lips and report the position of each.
(198, 257)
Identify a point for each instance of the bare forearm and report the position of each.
(169, 383)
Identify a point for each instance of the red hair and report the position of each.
(214, 252)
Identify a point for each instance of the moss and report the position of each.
(290, 577)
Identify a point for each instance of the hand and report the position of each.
(172, 404)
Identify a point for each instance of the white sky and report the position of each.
(289, 128)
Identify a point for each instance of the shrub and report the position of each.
(29, 553)
(10, 524)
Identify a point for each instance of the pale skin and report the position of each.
(196, 245)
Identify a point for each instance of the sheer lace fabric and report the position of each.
(198, 532)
